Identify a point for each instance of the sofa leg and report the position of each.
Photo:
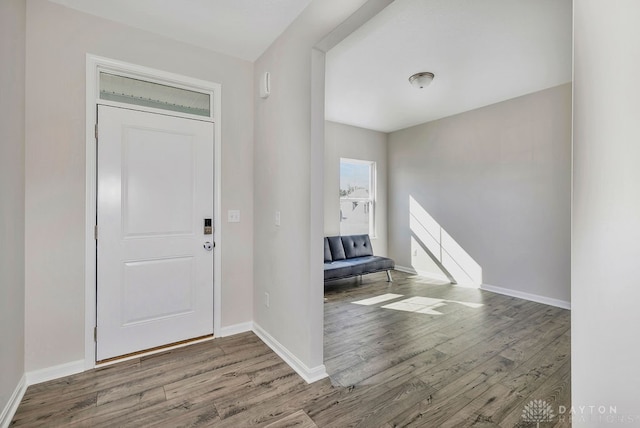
(389, 279)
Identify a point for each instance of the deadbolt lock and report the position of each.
(208, 228)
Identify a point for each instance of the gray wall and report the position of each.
(58, 40)
(498, 181)
(288, 173)
(12, 58)
(344, 141)
(606, 211)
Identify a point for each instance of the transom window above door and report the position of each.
(144, 93)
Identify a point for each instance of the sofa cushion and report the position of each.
(357, 246)
(337, 250)
(327, 251)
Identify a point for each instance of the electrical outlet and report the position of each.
(266, 299)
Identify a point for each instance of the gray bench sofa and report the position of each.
(348, 256)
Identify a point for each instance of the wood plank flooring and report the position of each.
(473, 358)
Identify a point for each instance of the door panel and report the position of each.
(155, 188)
(172, 278)
(158, 174)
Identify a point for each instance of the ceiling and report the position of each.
(481, 52)
(240, 28)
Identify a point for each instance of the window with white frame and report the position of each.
(357, 197)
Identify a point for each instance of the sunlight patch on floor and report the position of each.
(421, 305)
(423, 279)
(417, 304)
(378, 299)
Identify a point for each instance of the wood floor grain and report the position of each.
(464, 358)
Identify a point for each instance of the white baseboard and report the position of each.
(236, 329)
(55, 372)
(12, 405)
(527, 296)
(309, 375)
(408, 270)
(429, 275)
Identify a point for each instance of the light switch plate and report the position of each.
(277, 218)
(233, 216)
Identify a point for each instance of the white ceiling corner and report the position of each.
(481, 51)
(239, 28)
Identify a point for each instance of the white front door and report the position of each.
(155, 190)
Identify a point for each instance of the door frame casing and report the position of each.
(94, 64)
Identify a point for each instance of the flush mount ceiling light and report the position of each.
(421, 80)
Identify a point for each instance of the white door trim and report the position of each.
(93, 65)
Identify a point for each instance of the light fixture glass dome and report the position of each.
(421, 80)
